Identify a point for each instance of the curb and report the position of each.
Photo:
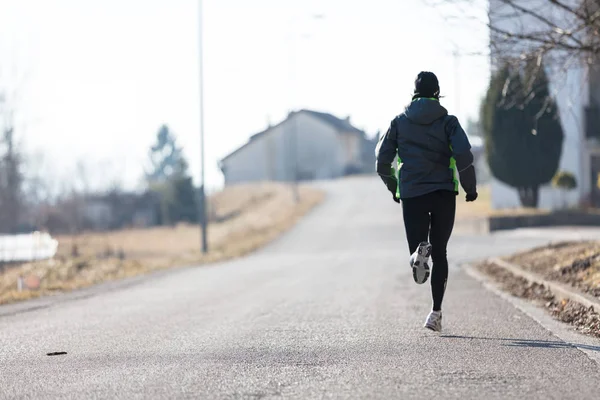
(560, 290)
(550, 219)
(475, 225)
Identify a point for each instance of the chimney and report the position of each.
(347, 119)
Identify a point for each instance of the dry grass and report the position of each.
(480, 208)
(249, 217)
(573, 263)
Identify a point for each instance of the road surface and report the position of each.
(328, 311)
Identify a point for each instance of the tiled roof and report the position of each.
(340, 125)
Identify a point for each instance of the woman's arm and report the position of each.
(461, 151)
(385, 153)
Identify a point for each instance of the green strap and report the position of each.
(428, 98)
(398, 187)
(453, 169)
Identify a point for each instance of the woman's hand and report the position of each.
(471, 196)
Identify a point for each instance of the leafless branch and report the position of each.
(569, 9)
(520, 27)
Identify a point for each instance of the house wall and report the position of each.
(99, 213)
(350, 144)
(590, 146)
(368, 154)
(318, 148)
(250, 163)
(570, 90)
(302, 140)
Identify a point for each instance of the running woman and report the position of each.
(431, 147)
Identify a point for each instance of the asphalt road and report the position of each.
(328, 311)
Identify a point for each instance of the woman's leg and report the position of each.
(415, 212)
(442, 223)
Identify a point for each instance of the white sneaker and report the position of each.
(434, 321)
(419, 261)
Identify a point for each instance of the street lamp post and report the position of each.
(202, 194)
(293, 123)
(295, 162)
(292, 117)
(456, 55)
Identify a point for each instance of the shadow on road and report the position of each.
(529, 343)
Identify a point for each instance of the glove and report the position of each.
(471, 196)
(397, 200)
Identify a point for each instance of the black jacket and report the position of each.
(431, 147)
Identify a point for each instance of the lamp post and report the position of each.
(293, 123)
(292, 117)
(456, 55)
(202, 194)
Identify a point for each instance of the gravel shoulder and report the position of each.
(584, 320)
(575, 263)
(244, 219)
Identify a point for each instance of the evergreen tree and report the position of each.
(544, 143)
(564, 181)
(166, 158)
(523, 135)
(169, 177)
(502, 119)
(11, 171)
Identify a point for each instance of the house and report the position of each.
(576, 89)
(113, 210)
(307, 145)
(116, 210)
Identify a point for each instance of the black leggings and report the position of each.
(438, 210)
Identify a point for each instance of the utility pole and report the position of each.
(295, 152)
(202, 195)
(293, 116)
(456, 56)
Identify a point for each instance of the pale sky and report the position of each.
(96, 78)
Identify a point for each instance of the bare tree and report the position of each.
(41, 184)
(537, 28)
(37, 190)
(561, 35)
(11, 177)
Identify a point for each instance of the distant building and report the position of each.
(114, 211)
(119, 210)
(307, 145)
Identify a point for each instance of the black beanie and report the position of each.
(427, 85)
